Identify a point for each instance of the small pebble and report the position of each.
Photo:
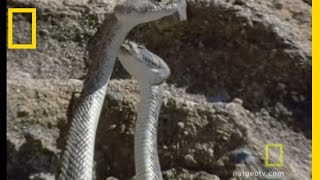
(181, 125)
(241, 155)
(210, 152)
(123, 128)
(201, 45)
(111, 178)
(238, 101)
(281, 86)
(295, 98)
(111, 127)
(278, 5)
(189, 159)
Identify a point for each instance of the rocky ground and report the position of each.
(241, 78)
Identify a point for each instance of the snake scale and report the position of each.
(150, 71)
(77, 159)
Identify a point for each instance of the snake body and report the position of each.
(78, 156)
(150, 71)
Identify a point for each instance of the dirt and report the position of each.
(240, 79)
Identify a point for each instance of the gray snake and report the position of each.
(78, 156)
(150, 71)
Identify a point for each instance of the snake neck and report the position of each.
(146, 153)
(103, 51)
(77, 159)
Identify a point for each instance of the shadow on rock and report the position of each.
(31, 158)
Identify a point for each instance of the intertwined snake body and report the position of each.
(150, 71)
(77, 159)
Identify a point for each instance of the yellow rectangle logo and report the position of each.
(33, 44)
(280, 162)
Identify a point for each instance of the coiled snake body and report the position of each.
(150, 71)
(78, 156)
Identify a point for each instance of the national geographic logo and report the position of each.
(274, 155)
(33, 44)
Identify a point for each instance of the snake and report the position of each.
(150, 71)
(78, 156)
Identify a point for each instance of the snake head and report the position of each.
(142, 64)
(142, 11)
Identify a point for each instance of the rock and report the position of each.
(241, 155)
(205, 176)
(277, 4)
(189, 160)
(295, 98)
(181, 125)
(281, 86)
(238, 101)
(112, 178)
(178, 173)
(42, 176)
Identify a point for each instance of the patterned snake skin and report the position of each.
(150, 71)
(78, 156)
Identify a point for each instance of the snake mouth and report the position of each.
(142, 11)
